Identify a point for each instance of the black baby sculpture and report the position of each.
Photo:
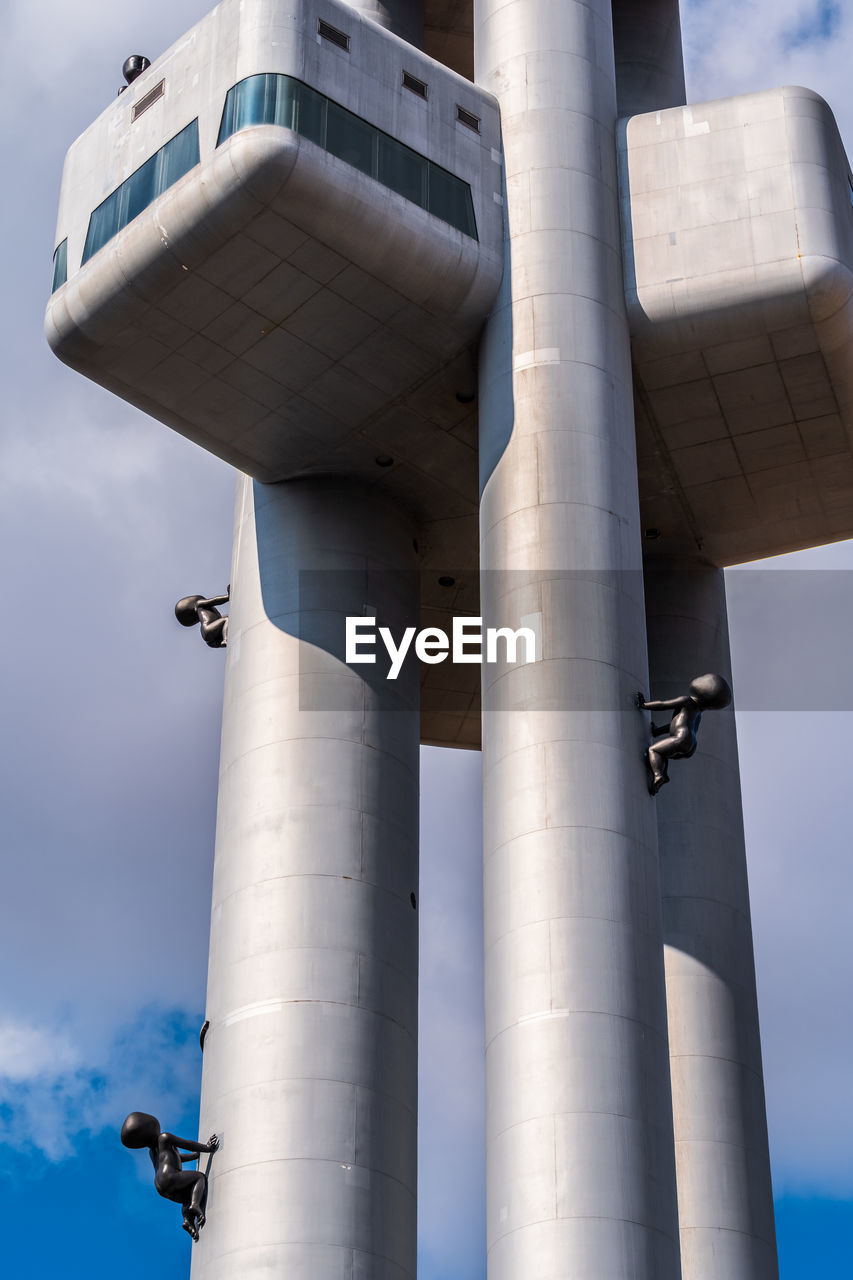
(706, 693)
(194, 611)
(188, 1188)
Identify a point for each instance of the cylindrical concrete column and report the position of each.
(404, 17)
(310, 1060)
(724, 1193)
(581, 1174)
(649, 58)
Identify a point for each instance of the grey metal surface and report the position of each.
(739, 279)
(724, 1192)
(310, 1058)
(580, 1162)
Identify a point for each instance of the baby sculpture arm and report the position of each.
(666, 704)
(193, 1149)
(214, 601)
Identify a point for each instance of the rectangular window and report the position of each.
(285, 100)
(468, 118)
(60, 266)
(311, 113)
(415, 85)
(142, 188)
(451, 200)
(139, 191)
(104, 223)
(402, 170)
(282, 100)
(178, 157)
(152, 96)
(351, 139)
(253, 106)
(330, 33)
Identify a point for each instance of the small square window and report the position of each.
(153, 95)
(415, 85)
(330, 33)
(468, 118)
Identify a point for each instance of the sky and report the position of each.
(109, 763)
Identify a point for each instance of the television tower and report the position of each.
(362, 251)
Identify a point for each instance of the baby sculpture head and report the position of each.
(140, 1130)
(186, 612)
(711, 692)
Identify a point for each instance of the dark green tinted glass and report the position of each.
(311, 114)
(282, 100)
(351, 139)
(139, 191)
(451, 200)
(103, 224)
(177, 157)
(402, 169)
(60, 266)
(142, 188)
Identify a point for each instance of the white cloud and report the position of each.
(51, 1091)
(29, 1052)
(736, 47)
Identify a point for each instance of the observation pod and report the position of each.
(284, 227)
(358, 276)
(282, 240)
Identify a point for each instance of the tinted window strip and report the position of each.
(60, 266)
(285, 101)
(136, 193)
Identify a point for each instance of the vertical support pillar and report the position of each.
(310, 1059)
(724, 1193)
(649, 58)
(581, 1174)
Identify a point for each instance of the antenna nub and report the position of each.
(134, 66)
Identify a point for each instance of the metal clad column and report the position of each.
(310, 1061)
(649, 59)
(724, 1191)
(581, 1176)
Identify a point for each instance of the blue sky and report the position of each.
(110, 754)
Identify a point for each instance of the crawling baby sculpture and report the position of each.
(706, 693)
(187, 1188)
(194, 611)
